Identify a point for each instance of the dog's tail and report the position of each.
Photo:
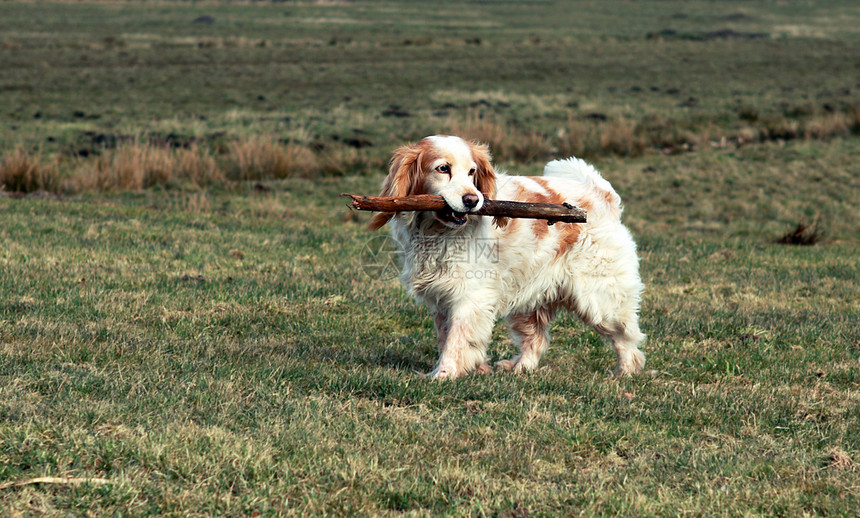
(596, 188)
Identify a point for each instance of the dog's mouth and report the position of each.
(451, 217)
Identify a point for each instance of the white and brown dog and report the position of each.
(470, 270)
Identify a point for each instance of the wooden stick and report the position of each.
(551, 212)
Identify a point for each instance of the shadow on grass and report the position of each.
(414, 361)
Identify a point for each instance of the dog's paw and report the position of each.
(484, 368)
(630, 364)
(511, 365)
(443, 372)
(441, 375)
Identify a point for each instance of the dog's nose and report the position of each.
(470, 200)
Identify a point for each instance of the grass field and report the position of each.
(191, 325)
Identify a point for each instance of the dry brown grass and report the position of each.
(828, 125)
(143, 163)
(132, 167)
(24, 170)
(344, 160)
(576, 138)
(505, 140)
(258, 158)
(197, 166)
(782, 128)
(747, 134)
(626, 137)
(621, 137)
(139, 165)
(476, 126)
(194, 202)
(589, 138)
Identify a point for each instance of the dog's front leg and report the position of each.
(464, 346)
(440, 322)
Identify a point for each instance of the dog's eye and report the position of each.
(445, 169)
(471, 172)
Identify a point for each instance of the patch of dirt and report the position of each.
(395, 111)
(721, 34)
(837, 458)
(35, 195)
(802, 235)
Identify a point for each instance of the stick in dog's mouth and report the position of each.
(551, 212)
(449, 215)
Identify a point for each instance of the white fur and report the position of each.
(458, 156)
(472, 275)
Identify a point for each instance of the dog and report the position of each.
(471, 270)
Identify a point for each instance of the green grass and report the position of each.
(229, 356)
(221, 351)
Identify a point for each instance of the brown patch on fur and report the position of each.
(612, 203)
(520, 194)
(529, 324)
(534, 197)
(568, 235)
(485, 175)
(554, 196)
(405, 176)
(608, 197)
(524, 323)
(540, 228)
(585, 205)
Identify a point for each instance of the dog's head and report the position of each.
(459, 171)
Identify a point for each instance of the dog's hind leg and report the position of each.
(531, 333)
(613, 313)
(626, 340)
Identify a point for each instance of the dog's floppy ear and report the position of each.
(403, 179)
(485, 175)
